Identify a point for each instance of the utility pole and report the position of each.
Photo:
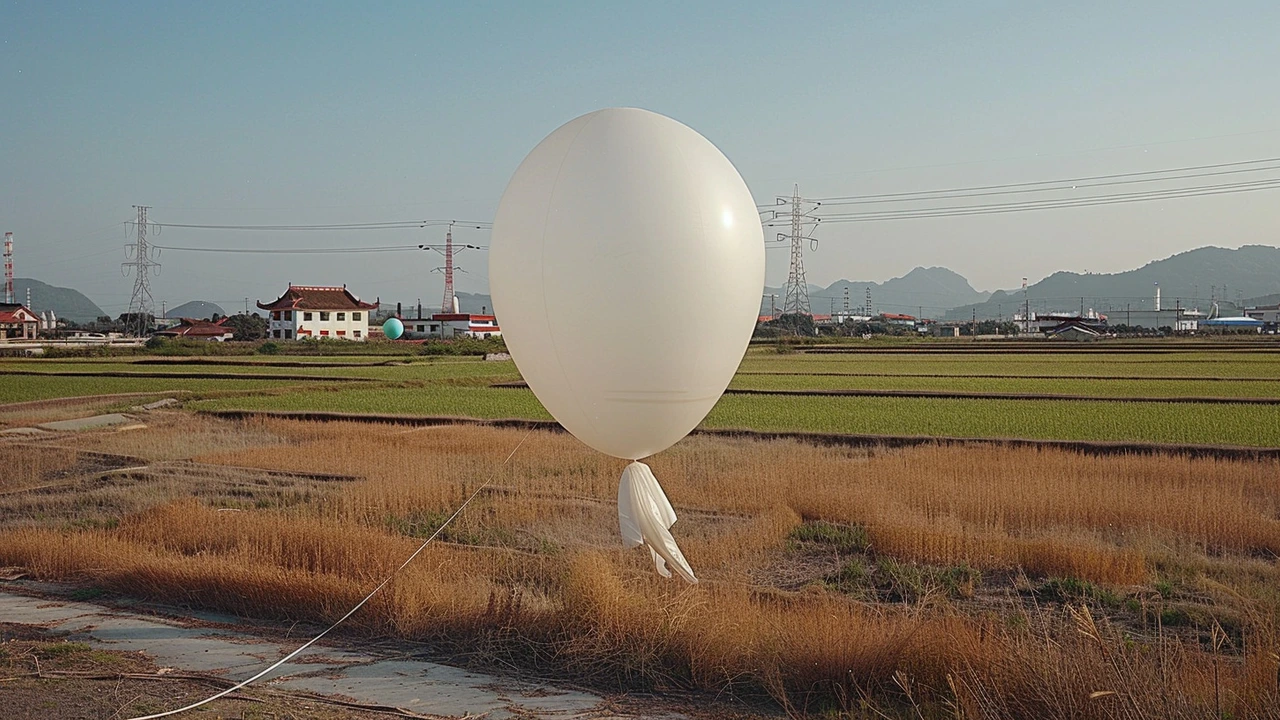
(246, 306)
(1126, 315)
(773, 306)
(141, 305)
(973, 325)
(164, 312)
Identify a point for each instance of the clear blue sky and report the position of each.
(244, 113)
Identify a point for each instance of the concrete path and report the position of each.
(87, 423)
(196, 645)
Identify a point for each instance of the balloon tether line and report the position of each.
(350, 612)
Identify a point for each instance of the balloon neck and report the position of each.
(645, 517)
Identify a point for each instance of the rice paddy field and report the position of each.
(1184, 397)
(975, 579)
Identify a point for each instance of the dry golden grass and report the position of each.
(25, 467)
(533, 575)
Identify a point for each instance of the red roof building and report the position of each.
(318, 311)
(199, 330)
(17, 322)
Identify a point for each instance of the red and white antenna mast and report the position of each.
(447, 305)
(8, 267)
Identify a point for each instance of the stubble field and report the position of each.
(974, 581)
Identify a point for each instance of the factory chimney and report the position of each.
(8, 267)
(1157, 297)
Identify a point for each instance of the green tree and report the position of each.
(247, 327)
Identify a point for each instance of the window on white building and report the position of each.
(342, 316)
(357, 333)
(324, 316)
(306, 316)
(355, 316)
(288, 314)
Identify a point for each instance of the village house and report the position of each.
(17, 322)
(198, 330)
(316, 311)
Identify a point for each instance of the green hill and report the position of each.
(67, 303)
(196, 309)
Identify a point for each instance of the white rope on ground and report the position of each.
(353, 610)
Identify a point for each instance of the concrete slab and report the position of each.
(369, 677)
(161, 403)
(88, 423)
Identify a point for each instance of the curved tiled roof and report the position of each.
(317, 297)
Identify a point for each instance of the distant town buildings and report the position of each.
(316, 311)
(453, 325)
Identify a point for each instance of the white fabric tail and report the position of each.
(645, 517)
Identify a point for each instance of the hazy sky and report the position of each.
(244, 113)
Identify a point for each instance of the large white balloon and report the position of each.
(626, 266)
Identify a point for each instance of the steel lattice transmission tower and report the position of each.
(448, 251)
(446, 306)
(803, 223)
(139, 260)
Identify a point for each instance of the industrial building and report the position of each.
(1268, 315)
(318, 311)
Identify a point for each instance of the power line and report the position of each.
(1024, 206)
(1051, 182)
(316, 251)
(1076, 186)
(387, 225)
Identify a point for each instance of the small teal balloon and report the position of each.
(393, 328)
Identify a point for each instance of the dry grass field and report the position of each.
(933, 582)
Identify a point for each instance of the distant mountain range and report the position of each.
(1248, 276)
(928, 290)
(1191, 279)
(66, 303)
(196, 310)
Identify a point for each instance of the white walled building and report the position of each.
(316, 311)
(451, 325)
